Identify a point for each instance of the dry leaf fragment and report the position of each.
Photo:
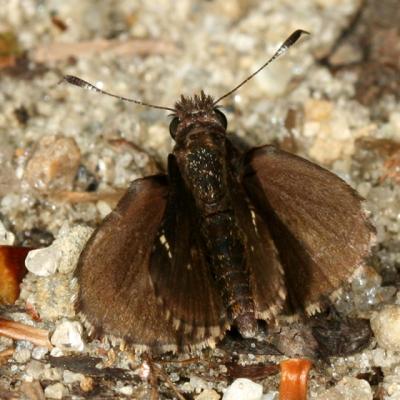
(12, 270)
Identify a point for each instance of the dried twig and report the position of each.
(159, 371)
(61, 51)
(254, 372)
(7, 353)
(186, 361)
(18, 331)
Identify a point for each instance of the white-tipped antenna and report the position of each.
(74, 80)
(292, 39)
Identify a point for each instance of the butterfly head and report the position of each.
(197, 111)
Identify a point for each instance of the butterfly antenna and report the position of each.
(74, 80)
(291, 40)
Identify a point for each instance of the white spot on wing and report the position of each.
(165, 244)
(254, 220)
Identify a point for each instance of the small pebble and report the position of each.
(39, 352)
(54, 164)
(348, 389)
(86, 384)
(197, 383)
(208, 394)
(104, 208)
(71, 377)
(61, 255)
(126, 390)
(271, 396)
(35, 369)
(22, 355)
(56, 391)
(43, 262)
(67, 336)
(7, 238)
(243, 388)
(386, 327)
(5, 343)
(52, 374)
(56, 352)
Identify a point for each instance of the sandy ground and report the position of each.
(333, 98)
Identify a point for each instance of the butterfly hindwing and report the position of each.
(266, 275)
(179, 267)
(317, 222)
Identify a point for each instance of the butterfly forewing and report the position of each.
(317, 221)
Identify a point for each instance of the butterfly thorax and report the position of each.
(203, 168)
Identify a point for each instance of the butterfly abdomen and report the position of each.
(227, 258)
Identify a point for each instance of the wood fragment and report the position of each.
(254, 372)
(61, 51)
(18, 331)
(294, 379)
(8, 62)
(32, 312)
(12, 271)
(159, 371)
(59, 23)
(6, 354)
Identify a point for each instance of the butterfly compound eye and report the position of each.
(173, 126)
(221, 117)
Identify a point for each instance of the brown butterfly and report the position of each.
(222, 240)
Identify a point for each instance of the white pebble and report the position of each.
(43, 262)
(126, 390)
(67, 336)
(243, 388)
(56, 352)
(104, 208)
(22, 355)
(198, 383)
(56, 391)
(34, 369)
(271, 396)
(7, 238)
(348, 389)
(386, 327)
(61, 255)
(71, 377)
(39, 352)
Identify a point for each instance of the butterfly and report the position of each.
(224, 238)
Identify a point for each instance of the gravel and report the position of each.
(307, 102)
